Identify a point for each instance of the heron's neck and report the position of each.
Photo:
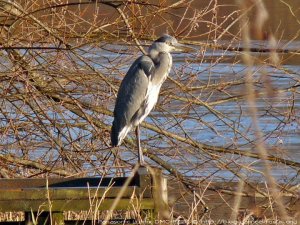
(158, 56)
(154, 55)
(163, 62)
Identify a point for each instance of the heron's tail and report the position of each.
(114, 135)
(118, 134)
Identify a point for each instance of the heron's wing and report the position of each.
(147, 65)
(133, 90)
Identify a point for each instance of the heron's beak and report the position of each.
(183, 48)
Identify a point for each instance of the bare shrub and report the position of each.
(228, 112)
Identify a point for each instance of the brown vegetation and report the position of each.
(227, 112)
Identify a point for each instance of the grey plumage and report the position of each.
(140, 88)
(131, 96)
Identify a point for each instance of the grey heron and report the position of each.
(140, 88)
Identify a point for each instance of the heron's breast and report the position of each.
(152, 96)
(150, 101)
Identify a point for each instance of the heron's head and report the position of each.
(167, 44)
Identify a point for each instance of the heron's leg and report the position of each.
(138, 143)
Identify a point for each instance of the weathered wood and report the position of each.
(64, 193)
(71, 204)
(160, 194)
(54, 196)
(27, 183)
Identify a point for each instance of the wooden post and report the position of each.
(145, 192)
(160, 195)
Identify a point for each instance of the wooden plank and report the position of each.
(24, 183)
(73, 205)
(60, 194)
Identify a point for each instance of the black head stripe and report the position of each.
(163, 38)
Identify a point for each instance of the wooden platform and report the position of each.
(56, 195)
(146, 191)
